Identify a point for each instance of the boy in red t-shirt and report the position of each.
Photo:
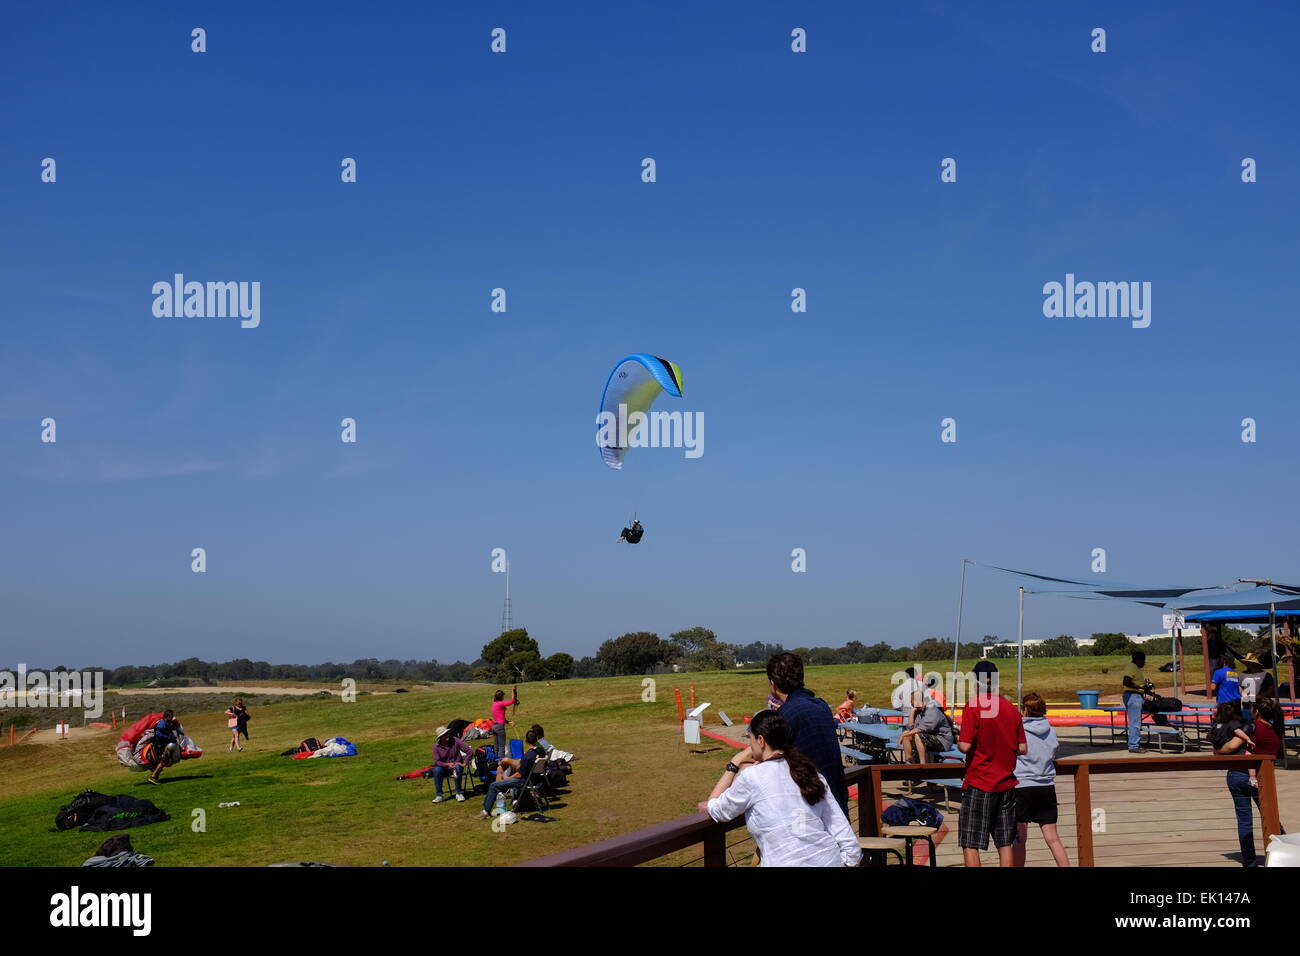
(992, 736)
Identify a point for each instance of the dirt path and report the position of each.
(298, 691)
(74, 733)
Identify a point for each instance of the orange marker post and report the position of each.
(681, 713)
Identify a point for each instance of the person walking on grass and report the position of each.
(813, 730)
(499, 721)
(1036, 781)
(787, 806)
(992, 736)
(237, 721)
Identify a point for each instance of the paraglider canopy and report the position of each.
(632, 387)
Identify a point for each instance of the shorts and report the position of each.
(932, 743)
(984, 813)
(1036, 804)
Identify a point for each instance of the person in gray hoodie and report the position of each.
(1036, 786)
(930, 730)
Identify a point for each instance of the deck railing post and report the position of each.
(1268, 811)
(715, 847)
(869, 798)
(1083, 814)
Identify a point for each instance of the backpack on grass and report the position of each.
(79, 810)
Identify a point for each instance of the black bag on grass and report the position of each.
(555, 777)
(79, 810)
(123, 812)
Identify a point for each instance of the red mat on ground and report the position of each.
(738, 744)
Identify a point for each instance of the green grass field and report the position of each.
(633, 771)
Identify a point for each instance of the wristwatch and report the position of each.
(732, 767)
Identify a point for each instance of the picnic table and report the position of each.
(881, 712)
(878, 740)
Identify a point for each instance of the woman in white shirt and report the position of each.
(788, 809)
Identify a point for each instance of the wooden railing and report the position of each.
(654, 842)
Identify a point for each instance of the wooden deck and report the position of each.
(1163, 819)
(1183, 819)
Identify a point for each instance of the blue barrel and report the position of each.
(1088, 698)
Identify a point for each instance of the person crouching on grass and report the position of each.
(992, 736)
(1036, 781)
(787, 806)
(165, 746)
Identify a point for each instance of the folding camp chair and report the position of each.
(535, 788)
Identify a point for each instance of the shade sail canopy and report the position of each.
(1233, 597)
(1115, 590)
(1257, 598)
(1234, 617)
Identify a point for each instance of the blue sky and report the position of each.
(522, 171)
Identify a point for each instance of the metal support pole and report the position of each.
(1020, 652)
(1178, 643)
(1272, 636)
(956, 644)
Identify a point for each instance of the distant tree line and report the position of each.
(242, 669)
(514, 657)
(698, 649)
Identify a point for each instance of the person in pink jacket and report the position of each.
(499, 721)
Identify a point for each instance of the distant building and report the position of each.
(1191, 630)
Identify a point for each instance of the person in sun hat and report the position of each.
(1255, 683)
(450, 756)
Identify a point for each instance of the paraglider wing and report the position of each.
(634, 384)
(130, 748)
(133, 739)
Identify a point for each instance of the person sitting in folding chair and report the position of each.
(450, 758)
(513, 774)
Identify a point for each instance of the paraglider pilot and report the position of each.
(633, 534)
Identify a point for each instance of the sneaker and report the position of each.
(1139, 750)
(460, 797)
(483, 814)
(152, 781)
(438, 799)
